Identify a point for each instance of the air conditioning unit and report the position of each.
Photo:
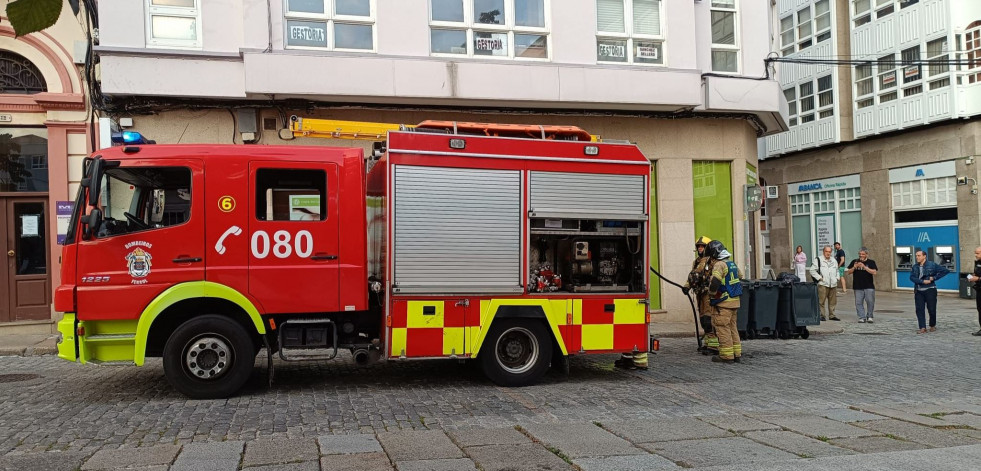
(772, 192)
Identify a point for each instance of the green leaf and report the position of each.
(30, 16)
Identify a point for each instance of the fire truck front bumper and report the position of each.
(67, 346)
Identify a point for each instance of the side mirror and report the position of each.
(95, 181)
(92, 223)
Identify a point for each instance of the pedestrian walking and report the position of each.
(976, 279)
(862, 270)
(725, 290)
(825, 273)
(800, 263)
(840, 258)
(925, 275)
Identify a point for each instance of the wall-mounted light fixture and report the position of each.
(961, 181)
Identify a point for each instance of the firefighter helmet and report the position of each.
(703, 240)
(715, 248)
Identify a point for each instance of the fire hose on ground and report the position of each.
(698, 335)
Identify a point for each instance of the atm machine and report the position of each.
(943, 255)
(905, 257)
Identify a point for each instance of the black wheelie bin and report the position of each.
(744, 317)
(766, 300)
(806, 310)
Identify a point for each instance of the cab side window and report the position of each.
(144, 198)
(291, 195)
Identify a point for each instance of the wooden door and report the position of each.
(28, 277)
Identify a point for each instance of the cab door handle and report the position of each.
(187, 259)
(321, 256)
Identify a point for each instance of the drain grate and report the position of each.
(14, 378)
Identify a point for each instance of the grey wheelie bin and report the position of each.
(806, 310)
(744, 316)
(766, 300)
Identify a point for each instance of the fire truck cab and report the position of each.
(512, 251)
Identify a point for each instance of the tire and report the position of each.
(804, 334)
(209, 357)
(516, 352)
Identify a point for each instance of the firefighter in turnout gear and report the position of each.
(698, 282)
(724, 289)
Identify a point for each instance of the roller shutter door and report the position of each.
(588, 195)
(457, 230)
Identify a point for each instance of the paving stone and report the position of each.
(452, 464)
(512, 457)
(204, 464)
(625, 463)
(903, 415)
(717, 451)
(301, 466)
(918, 433)
(581, 440)
(909, 460)
(231, 449)
(415, 445)
(279, 451)
(490, 436)
(738, 423)
(876, 444)
(850, 415)
(346, 444)
(356, 462)
(814, 426)
(640, 431)
(132, 458)
(50, 461)
(971, 420)
(797, 444)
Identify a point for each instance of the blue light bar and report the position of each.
(130, 137)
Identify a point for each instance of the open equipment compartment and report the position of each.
(586, 256)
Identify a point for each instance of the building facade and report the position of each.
(878, 142)
(674, 77)
(44, 134)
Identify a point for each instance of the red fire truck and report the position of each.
(510, 245)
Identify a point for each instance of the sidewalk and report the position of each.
(27, 344)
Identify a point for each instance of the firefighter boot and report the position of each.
(626, 360)
(711, 344)
(639, 361)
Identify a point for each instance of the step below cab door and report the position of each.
(294, 259)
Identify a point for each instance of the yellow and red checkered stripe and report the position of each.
(446, 327)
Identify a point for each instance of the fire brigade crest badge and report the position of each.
(138, 262)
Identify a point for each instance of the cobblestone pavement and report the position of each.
(879, 391)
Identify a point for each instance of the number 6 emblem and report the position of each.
(226, 204)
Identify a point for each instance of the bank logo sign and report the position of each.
(850, 181)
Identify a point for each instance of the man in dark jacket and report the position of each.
(925, 275)
(976, 279)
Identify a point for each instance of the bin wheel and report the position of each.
(750, 334)
(804, 334)
(784, 334)
(773, 333)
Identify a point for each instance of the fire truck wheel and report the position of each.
(516, 352)
(208, 357)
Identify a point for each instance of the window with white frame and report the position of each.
(824, 201)
(864, 85)
(629, 31)
(850, 199)
(887, 72)
(862, 12)
(791, 95)
(804, 28)
(822, 20)
(826, 100)
(330, 24)
(911, 71)
(884, 8)
(930, 192)
(515, 29)
(936, 52)
(725, 51)
(800, 204)
(173, 23)
(806, 102)
(787, 35)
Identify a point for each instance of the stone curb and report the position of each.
(669, 335)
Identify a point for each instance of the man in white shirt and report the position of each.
(825, 273)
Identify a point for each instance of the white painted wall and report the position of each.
(402, 67)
